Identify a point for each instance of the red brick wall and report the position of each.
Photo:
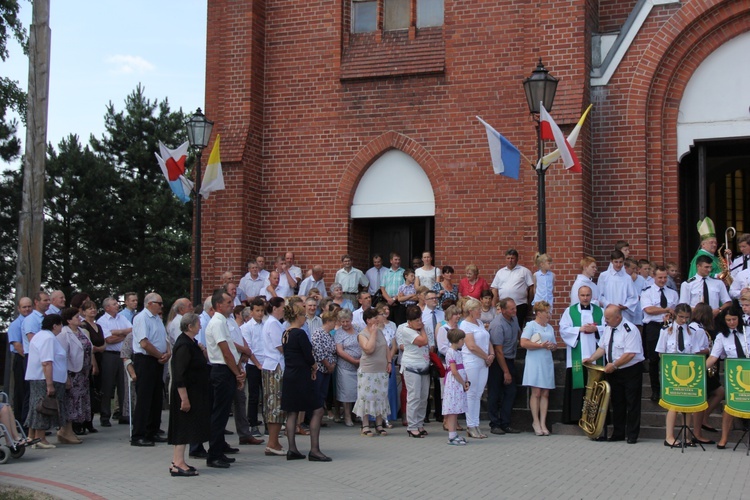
(613, 13)
(297, 136)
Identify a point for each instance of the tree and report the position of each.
(152, 242)
(10, 193)
(11, 95)
(79, 220)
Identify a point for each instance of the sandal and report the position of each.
(380, 431)
(175, 471)
(423, 432)
(25, 442)
(365, 431)
(190, 467)
(302, 431)
(417, 435)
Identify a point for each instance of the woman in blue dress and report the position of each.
(538, 338)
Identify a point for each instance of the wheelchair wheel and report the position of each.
(17, 452)
(4, 454)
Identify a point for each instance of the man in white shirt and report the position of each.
(513, 281)
(315, 280)
(703, 288)
(231, 289)
(621, 345)
(151, 351)
(742, 261)
(130, 303)
(251, 284)
(180, 307)
(295, 271)
(351, 279)
(656, 301)
(115, 328)
(252, 332)
(365, 302)
(287, 282)
(226, 376)
(741, 282)
(375, 274)
(262, 272)
(586, 278)
(616, 287)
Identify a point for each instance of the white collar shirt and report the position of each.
(651, 297)
(691, 292)
(627, 340)
(375, 278)
(217, 332)
(513, 283)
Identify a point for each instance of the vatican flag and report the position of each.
(214, 178)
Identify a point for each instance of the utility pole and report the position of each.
(31, 219)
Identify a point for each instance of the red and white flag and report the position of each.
(551, 132)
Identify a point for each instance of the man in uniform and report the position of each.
(703, 288)
(620, 344)
(742, 261)
(657, 300)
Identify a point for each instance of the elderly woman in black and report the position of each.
(297, 389)
(189, 408)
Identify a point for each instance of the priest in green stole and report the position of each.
(580, 327)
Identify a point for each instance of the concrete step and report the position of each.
(653, 432)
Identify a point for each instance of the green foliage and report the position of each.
(151, 233)
(11, 95)
(11, 183)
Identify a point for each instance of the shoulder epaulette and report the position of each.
(692, 279)
(646, 288)
(627, 327)
(691, 328)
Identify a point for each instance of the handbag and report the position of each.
(47, 406)
(437, 364)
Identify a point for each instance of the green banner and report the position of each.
(683, 382)
(737, 384)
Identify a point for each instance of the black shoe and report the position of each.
(698, 441)
(510, 430)
(294, 455)
(158, 439)
(721, 446)
(123, 421)
(316, 458)
(116, 415)
(227, 432)
(632, 440)
(496, 430)
(228, 450)
(105, 423)
(89, 426)
(616, 438)
(161, 432)
(601, 439)
(677, 444)
(142, 442)
(228, 460)
(199, 454)
(218, 463)
(439, 418)
(709, 428)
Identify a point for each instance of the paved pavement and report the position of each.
(394, 466)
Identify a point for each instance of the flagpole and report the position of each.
(197, 276)
(541, 192)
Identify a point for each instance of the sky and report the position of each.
(101, 50)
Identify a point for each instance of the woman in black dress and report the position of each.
(189, 410)
(297, 389)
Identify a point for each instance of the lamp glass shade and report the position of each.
(199, 129)
(540, 87)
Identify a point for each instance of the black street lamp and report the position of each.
(199, 132)
(540, 87)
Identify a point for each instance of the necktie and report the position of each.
(663, 301)
(744, 261)
(681, 339)
(705, 291)
(434, 321)
(738, 345)
(611, 343)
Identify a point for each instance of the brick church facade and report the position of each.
(310, 96)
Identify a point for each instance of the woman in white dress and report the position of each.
(478, 356)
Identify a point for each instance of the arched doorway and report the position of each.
(394, 208)
(713, 139)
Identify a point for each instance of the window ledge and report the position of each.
(393, 53)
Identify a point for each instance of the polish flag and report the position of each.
(551, 132)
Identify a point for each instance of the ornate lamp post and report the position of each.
(199, 132)
(540, 87)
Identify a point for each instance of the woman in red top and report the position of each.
(472, 285)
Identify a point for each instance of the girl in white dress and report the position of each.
(456, 386)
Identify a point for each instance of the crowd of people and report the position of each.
(283, 351)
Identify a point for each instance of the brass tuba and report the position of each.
(725, 258)
(595, 402)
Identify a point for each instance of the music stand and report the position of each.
(682, 433)
(746, 432)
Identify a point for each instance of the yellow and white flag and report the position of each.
(214, 178)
